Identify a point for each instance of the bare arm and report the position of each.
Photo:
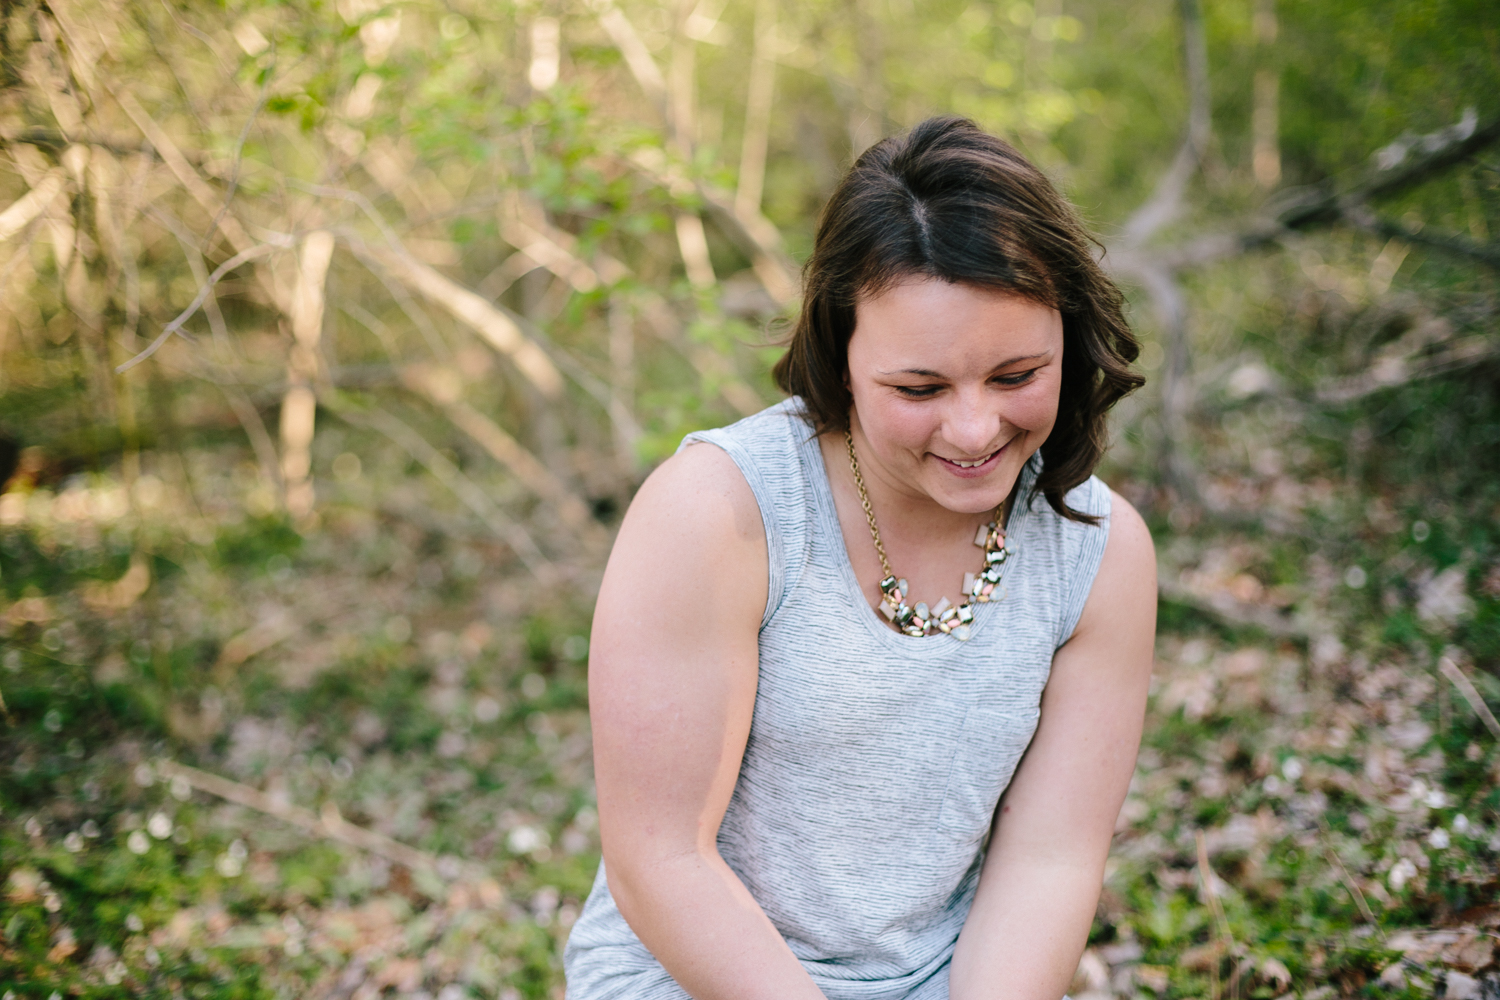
(672, 677)
(1042, 877)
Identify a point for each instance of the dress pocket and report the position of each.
(989, 748)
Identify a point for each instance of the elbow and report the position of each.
(644, 881)
(624, 882)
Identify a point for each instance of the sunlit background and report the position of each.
(335, 338)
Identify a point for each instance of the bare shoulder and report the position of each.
(1130, 546)
(692, 546)
(1122, 601)
(698, 491)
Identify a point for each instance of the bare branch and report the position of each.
(19, 255)
(57, 141)
(33, 203)
(1398, 369)
(250, 253)
(527, 229)
(239, 403)
(184, 171)
(637, 56)
(692, 243)
(445, 472)
(752, 176)
(751, 231)
(1361, 217)
(239, 147)
(758, 238)
(1446, 148)
(442, 387)
(493, 323)
(1166, 200)
(556, 250)
(1306, 208)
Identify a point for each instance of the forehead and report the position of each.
(930, 323)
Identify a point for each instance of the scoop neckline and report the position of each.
(923, 645)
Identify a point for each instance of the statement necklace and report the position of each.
(979, 588)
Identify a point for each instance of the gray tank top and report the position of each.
(875, 760)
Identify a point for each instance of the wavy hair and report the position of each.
(952, 202)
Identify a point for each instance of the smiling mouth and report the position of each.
(976, 463)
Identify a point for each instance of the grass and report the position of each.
(1313, 815)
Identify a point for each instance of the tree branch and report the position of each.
(1307, 208)
(752, 175)
(494, 325)
(443, 388)
(751, 231)
(1362, 218)
(1166, 200)
(445, 472)
(1393, 370)
(250, 253)
(33, 203)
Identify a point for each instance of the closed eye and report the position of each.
(917, 391)
(1020, 378)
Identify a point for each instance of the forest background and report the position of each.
(334, 339)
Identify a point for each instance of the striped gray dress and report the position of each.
(875, 760)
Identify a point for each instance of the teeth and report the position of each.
(970, 465)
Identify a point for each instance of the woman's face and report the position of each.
(954, 388)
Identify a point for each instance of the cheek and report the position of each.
(888, 419)
(1035, 408)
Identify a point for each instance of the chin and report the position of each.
(976, 498)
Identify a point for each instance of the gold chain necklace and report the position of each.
(942, 617)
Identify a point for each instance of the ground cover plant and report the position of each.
(334, 340)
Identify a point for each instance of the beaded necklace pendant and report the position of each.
(955, 620)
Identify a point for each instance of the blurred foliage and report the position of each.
(337, 541)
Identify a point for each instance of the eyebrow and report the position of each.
(929, 373)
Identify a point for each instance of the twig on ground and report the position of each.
(266, 633)
(326, 823)
(1211, 896)
(1210, 890)
(1352, 886)
(1449, 668)
(1234, 612)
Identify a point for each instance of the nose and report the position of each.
(972, 423)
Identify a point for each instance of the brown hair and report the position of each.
(950, 201)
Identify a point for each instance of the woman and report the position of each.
(802, 728)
